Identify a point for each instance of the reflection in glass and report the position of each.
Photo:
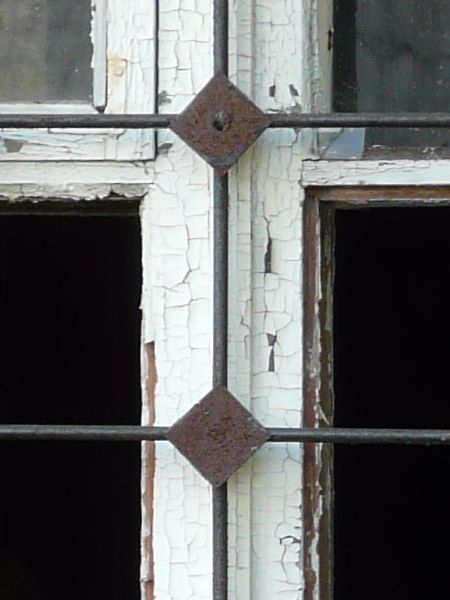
(45, 50)
(391, 56)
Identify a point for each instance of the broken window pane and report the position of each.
(45, 50)
(393, 56)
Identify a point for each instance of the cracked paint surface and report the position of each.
(128, 63)
(265, 279)
(268, 63)
(376, 172)
(177, 304)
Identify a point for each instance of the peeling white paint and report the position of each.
(277, 59)
(265, 495)
(176, 302)
(376, 172)
(124, 53)
(84, 181)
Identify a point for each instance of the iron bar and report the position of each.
(277, 120)
(141, 121)
(220, 374)
(220, 19)
(80, 433)
(360, 436)
(220, 317)
(304, 121)
(220, 294)
(137, 433)
(220, 542)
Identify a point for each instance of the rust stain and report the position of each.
(217, 435)
(150, 466)
(221, 123)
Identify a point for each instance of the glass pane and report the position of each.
(45, 50)
(393, 56)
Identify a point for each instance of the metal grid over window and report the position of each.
(220, 124)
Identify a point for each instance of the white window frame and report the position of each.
(280, 58)
(123, 36)
(316, 172)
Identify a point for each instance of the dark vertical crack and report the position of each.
(271, 339)
(268, 256)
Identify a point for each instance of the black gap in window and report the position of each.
(392, 56)
(69, 354)
(391, 333)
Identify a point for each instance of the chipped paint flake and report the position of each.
(124, 52)
(176, 303)
(265, 352)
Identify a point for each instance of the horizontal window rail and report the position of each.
(138, 433)
(276, 120)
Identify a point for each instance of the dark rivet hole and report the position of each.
(222, 121)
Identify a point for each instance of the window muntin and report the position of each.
(46, 51)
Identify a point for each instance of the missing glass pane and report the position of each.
(45, 50)
(391, 330)
(69, 354)
(393, 56)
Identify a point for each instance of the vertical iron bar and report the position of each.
(220, 294)
(220, 327)
(220, 542)
(220, 29)
(220, 375)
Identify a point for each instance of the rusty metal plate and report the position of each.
(217, 435)
(220, 123)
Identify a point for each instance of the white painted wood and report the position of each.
(177, 306)
(124, 63)
(99, 58)
(269, 63)
(9, 108)
(376, 172)
(83, 181)
(275, 59)
(131, 74)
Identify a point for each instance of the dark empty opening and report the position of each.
(392, 332)
(70, 329)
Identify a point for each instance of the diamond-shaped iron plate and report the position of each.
(217, 435)
(220, 123)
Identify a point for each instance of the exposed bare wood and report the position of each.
(149, 474)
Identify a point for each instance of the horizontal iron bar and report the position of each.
(277, 120)
(137, 433)
(361, 436)
(151, 121)
(305, 121)
(87, 433)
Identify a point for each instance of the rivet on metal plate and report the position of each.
(221, 123)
